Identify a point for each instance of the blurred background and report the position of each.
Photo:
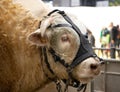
(74, 3)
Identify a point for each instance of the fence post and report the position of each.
(92, 86)
(112, 52)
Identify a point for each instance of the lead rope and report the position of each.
(66, 86)
(58, 85)
(83, 86)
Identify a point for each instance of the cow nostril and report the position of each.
(93, 66)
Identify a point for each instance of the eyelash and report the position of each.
(65, 38)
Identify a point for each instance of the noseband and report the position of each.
(85, 51)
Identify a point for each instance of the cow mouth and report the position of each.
(88, 78)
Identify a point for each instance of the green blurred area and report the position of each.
(115, 3)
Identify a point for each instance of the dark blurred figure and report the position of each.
(113, 34)
(91, 38)
(113, 39)
(118, 40)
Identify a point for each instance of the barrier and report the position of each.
(109, 80)
(112, 51)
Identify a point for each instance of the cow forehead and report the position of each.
(58, 19)
(63, 29)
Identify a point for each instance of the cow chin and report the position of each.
(85, 80)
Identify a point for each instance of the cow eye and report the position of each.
(65, 38)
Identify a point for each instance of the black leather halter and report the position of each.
(85, 51)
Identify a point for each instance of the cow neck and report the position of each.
(46, 66)
(49, 73)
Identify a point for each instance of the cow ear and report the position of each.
(37, 38)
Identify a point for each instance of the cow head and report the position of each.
(61, 40)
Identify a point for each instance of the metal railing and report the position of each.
(109, 80)
(112, 51)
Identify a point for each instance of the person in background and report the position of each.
(113, 38)
(104, 40)
(118, 41)
(113, 34)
